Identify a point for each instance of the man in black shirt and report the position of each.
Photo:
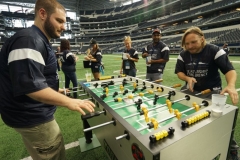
(198, 66)
(199, 62)
(157, 55)
(29, 83)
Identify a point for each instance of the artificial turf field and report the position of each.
(11, 145)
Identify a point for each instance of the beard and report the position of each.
(50, 30)
(156, 40)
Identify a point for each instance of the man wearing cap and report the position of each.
(156, 54)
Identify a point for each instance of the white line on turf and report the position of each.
(67, 146)
(141, 75)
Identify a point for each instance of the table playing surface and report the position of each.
(127, 107)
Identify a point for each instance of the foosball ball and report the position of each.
(141, 120)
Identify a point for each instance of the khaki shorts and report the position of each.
(44, 141)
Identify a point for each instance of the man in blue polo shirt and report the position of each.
(29, 83)
(157, 55)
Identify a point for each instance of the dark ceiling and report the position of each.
(75, 5)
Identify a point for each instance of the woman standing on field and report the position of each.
(129, 57)
(95, 59)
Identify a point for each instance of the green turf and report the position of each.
(12, 148)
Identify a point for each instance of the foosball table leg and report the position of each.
(88, 135)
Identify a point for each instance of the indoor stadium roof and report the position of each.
(75, 5)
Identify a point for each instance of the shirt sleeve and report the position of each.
(135, 54)
(70, 57)
(180, 65)
(26, 66)
(99, 56)
(222, 61)
(165, 53)
(145, 50)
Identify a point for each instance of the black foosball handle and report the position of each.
(90, 115)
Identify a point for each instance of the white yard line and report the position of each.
(143, 125)
(67, 146)
(141, 75)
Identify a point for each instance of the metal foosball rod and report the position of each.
(74, 91)
(119, 99)
(177, 114)
(196, 106)
(202, 92)
(82, 95)
(184, 90)
(125, 135)
(114, 87)
(122, 136)
(113, 95)
(159, 89)
(155, 81)
(123, 82)
(151, 86)
(139, 102)
(156, 97)
(100, 125)
(72, 88)
(104, 89)
(187, 97)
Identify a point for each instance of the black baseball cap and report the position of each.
(156, 31)
(93, 41)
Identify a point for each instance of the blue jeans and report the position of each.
(130, 72)
(71, 76)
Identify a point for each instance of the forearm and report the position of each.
(144, 55)
(50, 96)
(159, 61)
(231, 77)
(93, 60)
(133, 59)
(182, 76)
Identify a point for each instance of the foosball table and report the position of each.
(136, 119)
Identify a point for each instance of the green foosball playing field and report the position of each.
(124, 104)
